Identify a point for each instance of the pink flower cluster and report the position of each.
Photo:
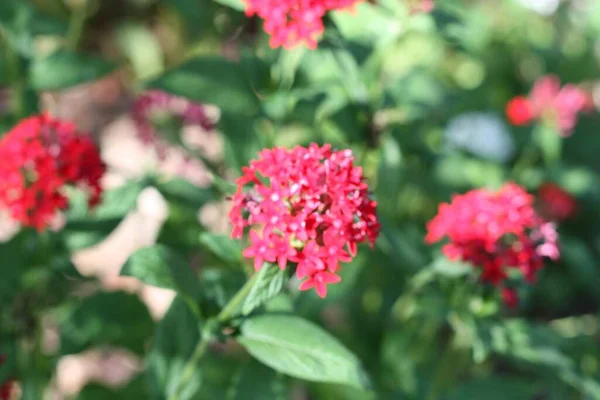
(154, 102)
(548, 102)
(308, 206)
(39, 157)
(495, 231)
(292, 22)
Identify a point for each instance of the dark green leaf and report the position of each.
(64, 69)
(132, 390)
(299, 348)
(495, 389)
(21, 22)
(212, 80)
(257, 382)
(222, 246)
(163, 267)
(118, 202)
(115, 319)
(79, 234)
(185, 192)
(174, 342)
(268, 284)
(176, 337)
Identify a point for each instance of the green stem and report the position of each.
(14, 77)
(232, 307)
(76, 25)
(228, 312)
(188, 371)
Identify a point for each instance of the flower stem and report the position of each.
(188, 371)
(232, 307)
(76, 25)
(228, 312)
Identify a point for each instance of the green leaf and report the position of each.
(496, 388)
(163, 267)
(213, 80)
(15, 259)
(80, 234)
(132, 390)
(120, 201)
(184, 192)
(451, 269)
(112, 319)
(299, 348)
(242, 140)
(257, 382)
(235, 4)
(21, 22)
(222, 246)
(268, 284)
(174, 342)
(64, 69)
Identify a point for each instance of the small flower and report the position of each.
(555, 203)
(550, 103)
(7, 389)
(40, 157)
(495, 231)
(311, 207)
(294, 22)
(154, 102)
(518, 111)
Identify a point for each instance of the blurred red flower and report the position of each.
(510, 297)
(154, 102)
(293, 22)
(555, 203)
(40, 156)
(551, 103)
(495, 231)
(518, 111)
(6, 388)
(310, 206)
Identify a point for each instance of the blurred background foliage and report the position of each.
(418, 97)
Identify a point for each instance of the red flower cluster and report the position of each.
(154, 102)
(39, 157)
(495, 231)
(6, 390)
(292, 22)
(555, 203)
(310, 206)
(549, 102)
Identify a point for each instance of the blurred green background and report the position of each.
(419, 98)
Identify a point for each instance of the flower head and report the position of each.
(293, 22)
(7, 389)
(308, 206)
(518, 111)
(40, 156)
(555, 203)
(154, 102)
(495, 231)
(549, 102)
